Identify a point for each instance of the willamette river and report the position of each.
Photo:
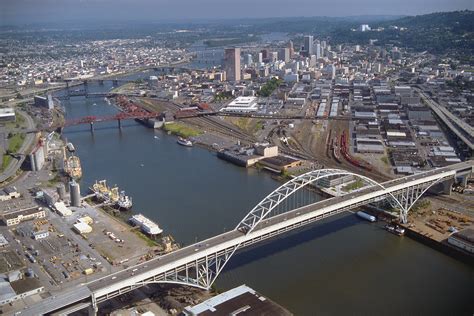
(340, 266)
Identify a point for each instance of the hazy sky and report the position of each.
(27, 11)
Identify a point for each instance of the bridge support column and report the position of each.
(462, 180)
(448, 186)
(92, 126)
(92, 310)
(403, 216)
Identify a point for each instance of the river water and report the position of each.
(339, 266)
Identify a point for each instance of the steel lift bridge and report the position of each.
(291, 206)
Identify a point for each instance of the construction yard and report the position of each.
(437, 222)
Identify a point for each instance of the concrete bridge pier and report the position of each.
(462, 180)
(448, 186)
(92, 310)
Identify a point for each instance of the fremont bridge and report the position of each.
(290, 207)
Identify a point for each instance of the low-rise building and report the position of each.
(9, 193)
(7, 114)
(240, 300)
(62, 209)
(280, 163)
(86, 219)
(332, 181)
(266, 150)
(82, 228)
(14, 291)
(240, 158)
(40, 235)
(3, 241)
(16, 217)
(242, 104)
(369, 145)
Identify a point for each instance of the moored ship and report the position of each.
(72, 167)
(184, 142)
(111, 196)
(395, 229)
(103, 193)
(147, 226)
(124, 202)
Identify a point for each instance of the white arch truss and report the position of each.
(275, 198)
(271, 201)
(202, 273)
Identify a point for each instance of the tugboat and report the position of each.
(395, 229)
(124, 202)
(184, 142)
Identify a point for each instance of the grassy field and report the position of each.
(20, 122)
(353, 186)
(247, 124)
(181, 130)
(149, 241)
(14, 144)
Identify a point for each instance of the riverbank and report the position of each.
(441, 246)
(195, 196)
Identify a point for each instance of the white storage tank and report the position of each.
(366, 216)
(75, 192)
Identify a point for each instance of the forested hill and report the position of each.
(436, 32)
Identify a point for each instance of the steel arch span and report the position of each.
(207, 269)
(279, 195)
(203, 272)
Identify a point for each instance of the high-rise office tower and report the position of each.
(248, 59)
(273, 56)
(312, 60)
(265, 54)
(291, 48)
(308, 45)
(232, 63)
(318, 51)
(284, 54)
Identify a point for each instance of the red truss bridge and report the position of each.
(119, 117)
(128, 111)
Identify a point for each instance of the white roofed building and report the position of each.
(242, 104)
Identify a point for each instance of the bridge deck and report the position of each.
(221, 241)
(273, 225)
